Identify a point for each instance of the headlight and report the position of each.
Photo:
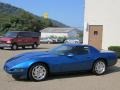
(17, 70)
(8, 42)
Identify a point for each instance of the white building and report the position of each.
(102, 17)
(60, 32)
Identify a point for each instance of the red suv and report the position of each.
(14, 39)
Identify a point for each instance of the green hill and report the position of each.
(13, 18)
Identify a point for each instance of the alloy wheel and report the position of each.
(99, 67)
(38, 72)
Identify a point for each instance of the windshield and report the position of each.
(62, 50)
(11, 34)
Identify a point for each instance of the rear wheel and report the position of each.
(99, 67)
(34, 45)
(38, 72)
(14, 47)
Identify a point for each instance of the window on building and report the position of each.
(95, 33)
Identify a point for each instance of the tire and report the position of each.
(1, 47)
(23, 47)
(14, 47)
(38, 72)
(48, 42)
(34, 46)
(99, 67)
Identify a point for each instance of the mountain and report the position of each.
(14, 15)
(12, 10)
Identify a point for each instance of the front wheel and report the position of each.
(14, 47)
(99, 67)
(38, 72)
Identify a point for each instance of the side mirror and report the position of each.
(70, 55)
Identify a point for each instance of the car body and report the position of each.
(46, 40)
(73, 41)
(50, 40)
(14, 39)
(61, 59)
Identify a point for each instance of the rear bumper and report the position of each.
(112, 62)
(5, 45)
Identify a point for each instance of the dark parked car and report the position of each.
(14, 39)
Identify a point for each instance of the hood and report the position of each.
(5, 39)
(28, 56)
(35, 54)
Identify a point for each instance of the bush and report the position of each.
(116, 49)
(62, 39)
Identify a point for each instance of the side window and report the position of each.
(23, 34)
(95, 33)
(29, 34)
(80, 50)
(20, 35)
(35, 34)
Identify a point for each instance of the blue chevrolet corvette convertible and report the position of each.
(61, 59)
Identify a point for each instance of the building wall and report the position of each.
(85, 33)
(106, 13)
(43, 35)
(68, 34)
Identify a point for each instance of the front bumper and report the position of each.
(17, 72)
(5, 45)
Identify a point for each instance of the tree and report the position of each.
(24, 22)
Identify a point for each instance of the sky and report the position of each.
(69, 12)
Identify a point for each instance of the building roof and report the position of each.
(59, 30)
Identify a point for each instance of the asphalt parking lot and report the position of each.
(80, 81)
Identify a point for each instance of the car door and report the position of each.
(29, 40)
(20, 39)
(25, 38)
(78, 59)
